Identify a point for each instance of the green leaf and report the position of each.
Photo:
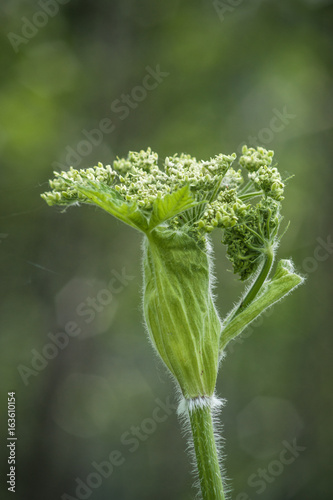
(282, 283)
(109, 200)
(171, 205)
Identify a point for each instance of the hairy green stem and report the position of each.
(206, 453)
(255, 288)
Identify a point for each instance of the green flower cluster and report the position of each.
(265, 178)
(252, 159)
(190, 195)
(139, 179)
(65, 185)
(253, 237)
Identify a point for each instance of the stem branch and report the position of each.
(255, 288)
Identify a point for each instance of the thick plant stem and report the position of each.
(206, 453)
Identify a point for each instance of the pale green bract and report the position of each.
(176, 207)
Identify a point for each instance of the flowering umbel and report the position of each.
(176, 207)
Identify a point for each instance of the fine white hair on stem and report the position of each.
(189, 405)
(212, 275)
(185, 408)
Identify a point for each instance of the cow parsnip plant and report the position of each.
(176, 207)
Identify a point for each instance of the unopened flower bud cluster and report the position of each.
(253, 237)
(63, 187)
(227, 199)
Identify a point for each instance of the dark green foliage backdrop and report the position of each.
(76, 89)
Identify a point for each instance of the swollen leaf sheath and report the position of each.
(180, 314)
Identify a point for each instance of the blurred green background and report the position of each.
(231, 72)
